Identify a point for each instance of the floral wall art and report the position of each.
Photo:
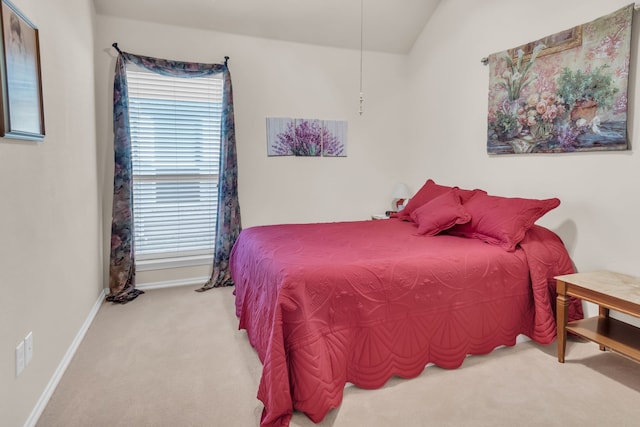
(306, 137)
(563, 93)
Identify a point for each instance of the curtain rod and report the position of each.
(485, 60)
(115, 46)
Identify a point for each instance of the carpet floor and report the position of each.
(175, 357)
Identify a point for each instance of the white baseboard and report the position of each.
(172, 283)
(62, 367)
(168, 284)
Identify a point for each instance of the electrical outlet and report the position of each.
(28, 349)
(20, 358)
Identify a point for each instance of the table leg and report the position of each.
(562, 305)
(603, 312)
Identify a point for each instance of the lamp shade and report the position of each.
(400, 197)
(401, 192)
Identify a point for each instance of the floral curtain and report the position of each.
(122, 262)
(228, 224)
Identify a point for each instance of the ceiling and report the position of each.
(389, 25)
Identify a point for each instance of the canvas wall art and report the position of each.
(306, 137)
(563, 93)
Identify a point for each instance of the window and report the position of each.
(175, 145)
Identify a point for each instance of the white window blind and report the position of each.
(175, 141)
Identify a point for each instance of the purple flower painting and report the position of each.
(305, 137)
(334, 135)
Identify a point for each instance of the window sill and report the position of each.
(176, 262)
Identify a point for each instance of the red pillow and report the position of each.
(429, 191)
(441, 213)
(502, 221)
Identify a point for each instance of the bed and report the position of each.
(359, 302)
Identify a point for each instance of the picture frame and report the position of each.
(22, 113)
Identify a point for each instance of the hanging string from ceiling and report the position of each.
(361, 39)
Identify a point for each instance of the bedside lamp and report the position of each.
(400, 197)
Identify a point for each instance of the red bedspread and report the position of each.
(359, 302)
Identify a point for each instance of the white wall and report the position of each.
(50, 259)
(448, 103)
(280, 79)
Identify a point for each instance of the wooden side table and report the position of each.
(608, 290)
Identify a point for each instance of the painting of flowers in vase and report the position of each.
(563, 93)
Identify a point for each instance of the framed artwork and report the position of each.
(306, 137)
(20, 78)
(566, 92)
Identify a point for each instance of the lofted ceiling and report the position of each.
(389, 25)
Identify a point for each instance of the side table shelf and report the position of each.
(609, 291)
(609, 333)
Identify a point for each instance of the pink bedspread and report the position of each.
(360, 302)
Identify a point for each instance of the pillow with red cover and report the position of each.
(440, 213)
(502, 221)
(429, 191)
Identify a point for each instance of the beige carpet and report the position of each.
(175, 357)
